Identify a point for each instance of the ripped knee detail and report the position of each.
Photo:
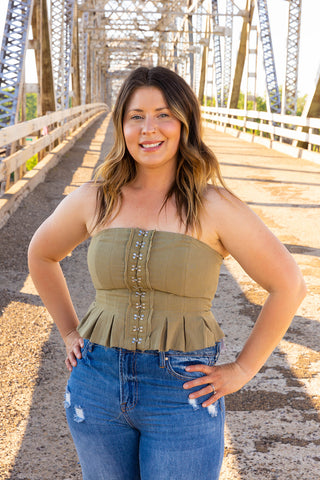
(78, 416)
(67, 398)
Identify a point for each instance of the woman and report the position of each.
(142, 361)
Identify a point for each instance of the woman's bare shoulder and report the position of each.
(87, 190)
(86, 198)
(80, 205)
(219, 198)
(85, 195)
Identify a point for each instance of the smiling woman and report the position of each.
(151, 131)
(143, 359)
(167, 112)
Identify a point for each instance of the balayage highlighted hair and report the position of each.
(196, 163)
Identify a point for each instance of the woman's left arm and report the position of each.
(269, 263)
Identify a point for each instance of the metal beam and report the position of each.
(61, 36)
(226, 80)
(75, 66)
(274, 102)
(204, 63)
(290, 90)
(191, 52)
(217, 54)
(12, 59)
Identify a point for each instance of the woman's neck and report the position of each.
(153, 180)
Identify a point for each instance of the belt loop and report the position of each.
(162, 359)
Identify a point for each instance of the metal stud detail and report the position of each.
(136, 266)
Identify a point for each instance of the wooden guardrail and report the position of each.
(50, 130)
(294, 135)
(53, 135)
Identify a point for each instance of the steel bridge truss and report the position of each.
(124, 35)
(96, 43)
(62, 24)
(268, 57)
(12, 58)
(290, 90)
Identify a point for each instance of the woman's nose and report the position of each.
(149, 125)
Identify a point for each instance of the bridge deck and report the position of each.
(272, 424)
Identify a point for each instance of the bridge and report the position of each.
(270, 158)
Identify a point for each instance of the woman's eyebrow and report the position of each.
(141, 110)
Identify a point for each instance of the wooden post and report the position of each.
(41, 45)
(241, 57)
(47, 93)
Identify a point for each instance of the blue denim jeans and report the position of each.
(131, 419)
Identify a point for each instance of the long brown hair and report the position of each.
(196, 163)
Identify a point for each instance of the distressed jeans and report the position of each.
(131, 419)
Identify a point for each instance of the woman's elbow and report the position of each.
(297, 286)
(33, 250)
(301, 288)
(290, 283)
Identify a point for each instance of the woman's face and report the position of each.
(151, 131)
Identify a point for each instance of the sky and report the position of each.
(309, 60)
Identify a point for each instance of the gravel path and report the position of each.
(272, 424)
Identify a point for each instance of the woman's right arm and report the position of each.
(66, 228)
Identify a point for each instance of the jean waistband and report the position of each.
(208, 351)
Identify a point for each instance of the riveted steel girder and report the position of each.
(124, 35)
(12, 58)
(226, 80)
(62, 23)
(217, 54)
(268, 57)
(290, 91)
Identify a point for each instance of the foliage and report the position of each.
(209, 102)
(261, 104)
(31, 106)
(32, 162)
(301, 101)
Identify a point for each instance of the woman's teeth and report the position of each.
(151, 145)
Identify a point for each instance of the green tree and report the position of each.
(211, 102)
(260, 101)
(31, 106)
(301, 101)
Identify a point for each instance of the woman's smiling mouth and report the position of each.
(150, 147)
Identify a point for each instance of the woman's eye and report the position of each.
(136, 117)
(163, 115)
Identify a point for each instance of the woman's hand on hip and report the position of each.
(219, 380)
(73, 342)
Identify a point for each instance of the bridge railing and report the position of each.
(46, 132)
(44, 140)
(294, 135)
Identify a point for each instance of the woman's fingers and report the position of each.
(205, 379)
(219, 380)
(77, 351)
(74, 343)
(203, 391)
(211, 400)
(68, 364)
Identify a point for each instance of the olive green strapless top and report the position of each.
(153, 291)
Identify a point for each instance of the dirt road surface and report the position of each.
(272, 425)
